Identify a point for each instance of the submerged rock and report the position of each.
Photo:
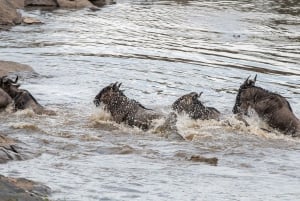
(30, 20)
(211, 161)
(13, 189)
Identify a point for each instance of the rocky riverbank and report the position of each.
(12, 189)
(10, 16)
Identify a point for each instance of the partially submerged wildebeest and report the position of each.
(191, 105)
(22, 98)
(5, 99)
(123, 109)
(273, 108)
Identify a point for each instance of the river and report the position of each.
(159, 50)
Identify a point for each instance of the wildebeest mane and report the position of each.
(273, 94)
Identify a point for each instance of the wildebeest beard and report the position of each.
(123, 109)
(191, 105)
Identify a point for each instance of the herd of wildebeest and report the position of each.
(272, 108)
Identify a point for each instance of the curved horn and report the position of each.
(200, 93)
(255, 78)
(16, 80)
(115, 86)
(248, 78)
(119, 85)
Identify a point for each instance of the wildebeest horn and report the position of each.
(255, 78)
(16, 80)
(200, 93)
(119, 85)
(116, 86)
(247, 80)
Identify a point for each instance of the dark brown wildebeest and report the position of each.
(5, 99)
(123, 109)
(22, 98)
(273, 108)
(191, 105)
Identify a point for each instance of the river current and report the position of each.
(159, 50)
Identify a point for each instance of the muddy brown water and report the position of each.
(159, 50)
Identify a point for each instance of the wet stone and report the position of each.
(13, 189)
(11, 149)
(30, 20)
(211, 161)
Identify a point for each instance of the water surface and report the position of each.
(159, 50)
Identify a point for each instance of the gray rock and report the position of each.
(75, 3)
(13, 189)
(30, 20)
(8, 149)
(45, 3)
(8, 13)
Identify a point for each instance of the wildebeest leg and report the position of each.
(264, 129)
(240, 118)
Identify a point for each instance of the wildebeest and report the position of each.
(5, 99)
(22, 98)
(123, 109)
(273, 108)
(191, 105)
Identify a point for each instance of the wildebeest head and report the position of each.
(186, 102)
(9, 86)
(241, 104)
(191, 105)
(106, 94)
